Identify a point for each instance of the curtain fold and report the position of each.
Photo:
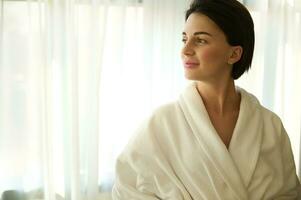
(51, 76)
(77, 76)
(141, 69)
(275, 73)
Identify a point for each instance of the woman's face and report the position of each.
(206, 53)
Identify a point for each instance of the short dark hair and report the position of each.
(235, 21)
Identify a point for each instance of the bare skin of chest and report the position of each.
(224, 125)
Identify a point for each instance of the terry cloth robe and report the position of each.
(177, 154)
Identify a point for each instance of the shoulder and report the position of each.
(165, 112)
(147, 133)
(272, 124)
(253, 102)
(269, 118)
(145, 146)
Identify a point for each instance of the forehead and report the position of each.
(198, 22)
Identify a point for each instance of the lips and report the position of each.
(191, 64)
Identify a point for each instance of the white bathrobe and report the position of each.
(177, 155)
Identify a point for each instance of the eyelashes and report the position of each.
(197, 41)
(201, 41)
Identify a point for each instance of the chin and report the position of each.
(192, 78)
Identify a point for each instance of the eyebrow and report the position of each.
(199, 33)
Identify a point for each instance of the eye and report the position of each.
(201, 41)
(184, 40)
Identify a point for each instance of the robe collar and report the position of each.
(235, 165)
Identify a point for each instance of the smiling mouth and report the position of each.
(191, 65)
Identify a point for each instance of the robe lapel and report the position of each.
(210, 143)
(247, 137)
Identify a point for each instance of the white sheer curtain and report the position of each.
(77, 77)
(275, 76)
(50, 72)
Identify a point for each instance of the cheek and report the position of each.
(212, 55)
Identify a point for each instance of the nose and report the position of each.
(187, 49)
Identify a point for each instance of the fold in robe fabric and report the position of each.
(177, 154)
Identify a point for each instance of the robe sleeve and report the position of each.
(135, 169)
(291, 187)
(131, 185)
(144, 170)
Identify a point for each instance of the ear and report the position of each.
(236, 53)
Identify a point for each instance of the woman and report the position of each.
(216, 141)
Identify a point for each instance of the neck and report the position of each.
(219, 98)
